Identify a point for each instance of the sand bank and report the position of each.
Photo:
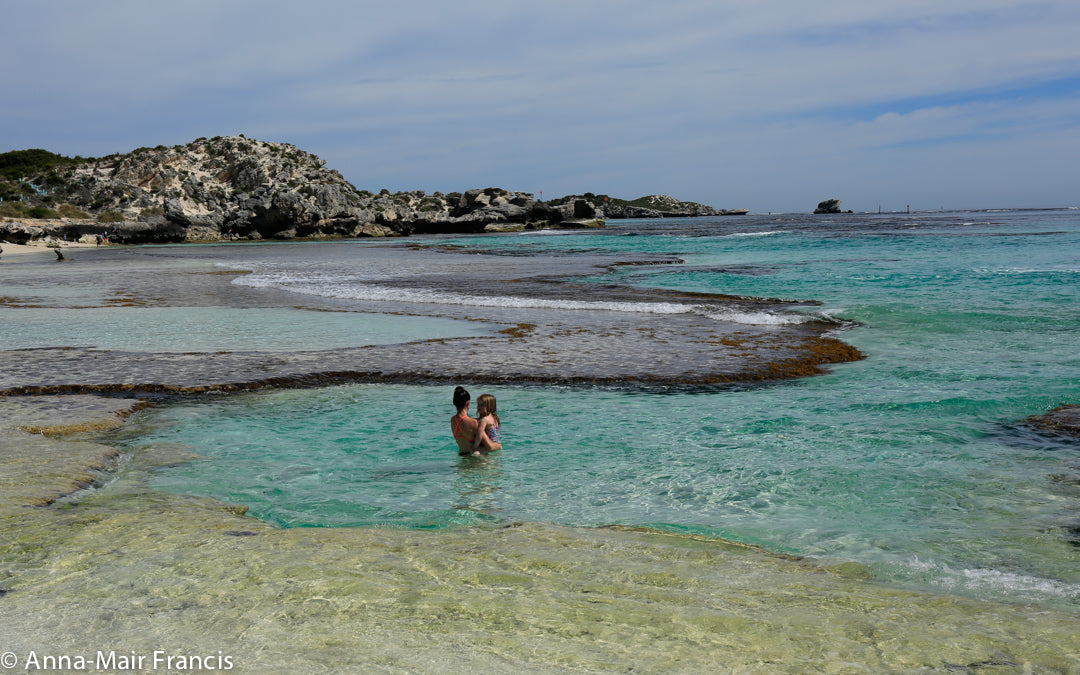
(39, 248)
(123, 567)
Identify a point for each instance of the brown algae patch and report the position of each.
(135, 570)
(520, 331)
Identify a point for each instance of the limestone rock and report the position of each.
(651, 206)
(235, 187)
(828, 206)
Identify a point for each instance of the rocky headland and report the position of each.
(240, 188)
(651, 206)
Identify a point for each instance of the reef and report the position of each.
(1063, 419)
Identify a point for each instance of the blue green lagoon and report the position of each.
(642, 419)
(914, 462)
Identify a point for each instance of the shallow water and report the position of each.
(212, 329)
(912, 462)
(880, 493)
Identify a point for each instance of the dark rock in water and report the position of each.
(1064, 419)
(828, 206)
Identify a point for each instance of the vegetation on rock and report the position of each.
(238, 187)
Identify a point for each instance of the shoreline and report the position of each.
(39, 247)
(118, 565)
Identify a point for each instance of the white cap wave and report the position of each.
(352, 288)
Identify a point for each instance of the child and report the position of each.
(487, 431)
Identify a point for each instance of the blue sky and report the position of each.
(768, 105)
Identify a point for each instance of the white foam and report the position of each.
(985, 581)
(756, 318)
(235, 266)
(351, 288)
(546, 233)
(757, 234)
(1010, 271)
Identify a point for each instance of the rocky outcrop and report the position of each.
(1064, 419)
(652, 206)
(236, 187)
(828, 206)
(149, 230)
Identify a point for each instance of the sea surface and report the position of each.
(915, 463)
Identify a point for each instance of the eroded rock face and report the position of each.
(652, 206)
(828, 206)
(236, 187)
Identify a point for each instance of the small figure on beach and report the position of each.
(487, 430)
(463, 426)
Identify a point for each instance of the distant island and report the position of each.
(234, 187)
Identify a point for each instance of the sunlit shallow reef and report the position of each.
(130, 569)
(93, 558)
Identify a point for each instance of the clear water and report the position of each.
(913, 462)
(211, 329)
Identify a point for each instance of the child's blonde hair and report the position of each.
(485, 405)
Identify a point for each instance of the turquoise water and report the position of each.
(914, 462)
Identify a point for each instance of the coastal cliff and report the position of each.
(235, 187)
(651, 206)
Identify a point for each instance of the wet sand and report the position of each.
(38, 248)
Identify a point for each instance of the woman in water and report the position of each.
(463, 426)
(487, 431)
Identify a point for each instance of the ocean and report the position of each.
(915, 462)
(766, 443)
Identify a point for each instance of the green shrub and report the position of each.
(12, 210)
(110, 217)
(41, 212)
(72, 211)
(152, 211)
(19, 163)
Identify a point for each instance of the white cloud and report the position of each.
(706, 100)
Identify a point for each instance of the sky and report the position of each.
(767, 105)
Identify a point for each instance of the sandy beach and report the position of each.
(39, 247)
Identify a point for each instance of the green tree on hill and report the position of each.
(18, 164)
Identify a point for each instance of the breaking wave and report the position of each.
(355, 289)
